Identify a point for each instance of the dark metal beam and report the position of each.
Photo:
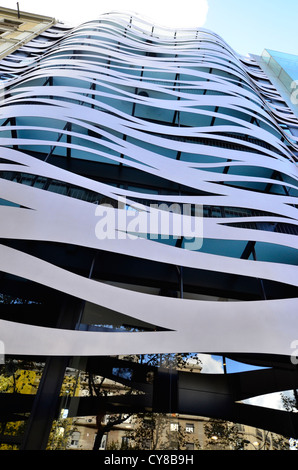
(46, 404)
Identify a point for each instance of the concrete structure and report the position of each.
(149, 193)
(18, 27)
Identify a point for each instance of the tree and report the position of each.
(152, 431)
(222, 435)
(102, 429)
(96, 388)
(105, 423)
(16, 377)
(148, 432)
(59, 438)
(290, 403)
(23, 377)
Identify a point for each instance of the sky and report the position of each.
(213, 365)
(248, 26)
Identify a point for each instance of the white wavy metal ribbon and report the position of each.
(181, 106)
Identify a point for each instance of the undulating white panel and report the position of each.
(114, 123)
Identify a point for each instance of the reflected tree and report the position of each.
(105, 423)
(222, 435)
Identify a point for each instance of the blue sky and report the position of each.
(251, 26)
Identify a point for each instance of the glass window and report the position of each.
(189, 427)
(174, 427)
(190, 446)
(75, 437)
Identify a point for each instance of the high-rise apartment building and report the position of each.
(148, 207)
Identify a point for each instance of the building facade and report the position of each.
(18, 27)
(192, 436)
(149, 199)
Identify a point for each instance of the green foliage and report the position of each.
(152, 431)
(290, 403)
(60, 434)
(222, 435)
(171, 361)
(16, 377)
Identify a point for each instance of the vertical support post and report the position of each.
(46, 404)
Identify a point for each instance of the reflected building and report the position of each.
(17, 28)
(192, 436)
(149, 207)
(284, 67)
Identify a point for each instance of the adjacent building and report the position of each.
(18, 28)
